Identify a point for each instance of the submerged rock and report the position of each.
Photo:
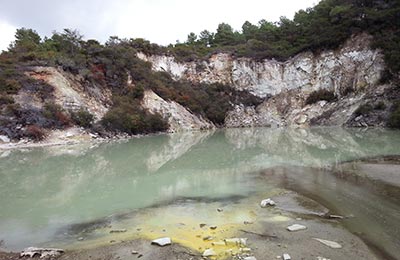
(296, 227)
(331, 244)
(42, 252)
(164, 241)
(267, 202)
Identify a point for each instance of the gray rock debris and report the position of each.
(267, 202)
(331, 244)
(209, 252)
(296, 227)
(4, 139)
(164, 241)
(286, 257)
(42, 252)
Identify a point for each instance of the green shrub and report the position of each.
(128, 116)
(364, 109)
(380, 106)
(56, 114)
(9, 86)
(321, 94)
(394, 118)
(35, 132)
(5, 100)
(82, 117)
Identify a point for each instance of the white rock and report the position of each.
(296, 227)
(250, 258)
(4, 139)
(267, 202)
(209, 252)
(236, 241)
(164, 241)
(42, 252)
(331, 244)
(322, 258)
(286, 257)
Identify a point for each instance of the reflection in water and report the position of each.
(44, 190)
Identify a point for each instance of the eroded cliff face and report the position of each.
(179, 118)
(351, 72)
(70, 92)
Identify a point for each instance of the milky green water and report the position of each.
(47, 193)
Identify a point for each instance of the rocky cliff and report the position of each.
(178, 117)
(351, 72)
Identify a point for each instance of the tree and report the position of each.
(224, 35)
(26, 40)
(206, 38)
(191, 38)
(68, 42)
(249, 30)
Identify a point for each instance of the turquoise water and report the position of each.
(43, 191)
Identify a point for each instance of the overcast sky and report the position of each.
(160, 21)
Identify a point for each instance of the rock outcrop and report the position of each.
(351, 72)
(70, 92)
(179, 118)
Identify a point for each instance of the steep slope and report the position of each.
(178, 117)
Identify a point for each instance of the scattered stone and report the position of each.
(213, 227)
(286, 257)
(80, 238)
(248, 222)
(267, 202)
(202, 225)
(139, 256)
(42, 252)
(118, 230)
(219, 243)
(296, 227)
(322, 258)
(298, 219)
(336, 216)
(164, 241)
(209, 252)
(331, 244)
(236, 241)
(112, 241)
(245, 250)
(4, 139)
(219, 210)
(250, 258)
(133, 252)
(208, 238)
